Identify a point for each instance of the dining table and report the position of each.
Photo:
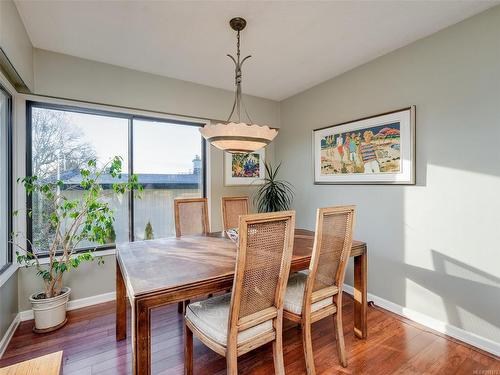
(155, 273)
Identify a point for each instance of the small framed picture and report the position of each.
(375, 150)
(244, 169)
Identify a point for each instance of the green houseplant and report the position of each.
(274, 194)
(69, 222)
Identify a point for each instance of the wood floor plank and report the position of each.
(394, 346)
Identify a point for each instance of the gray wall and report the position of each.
(74, 78)
(433, 247)
(8, 304)
(15, 42)
(89, 280)
(8, 290)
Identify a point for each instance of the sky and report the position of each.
(159, 147)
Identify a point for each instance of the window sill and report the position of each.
(97, 253)
(7, 274)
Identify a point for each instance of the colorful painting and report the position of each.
(377, 149)
(369, 150)
(244, 169)
(245, 165)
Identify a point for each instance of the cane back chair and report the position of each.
(251, 316)
(191, 217)
(317, 293)
(232, 208)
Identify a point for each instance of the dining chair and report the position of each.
(251, 316)
(317, 293)
(191, 217)
(232, 208)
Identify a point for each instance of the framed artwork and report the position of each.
(244, 169)
(374, 150)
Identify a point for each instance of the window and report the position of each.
(63, 141)
(5, 178)
(167, 160)
(166, 156)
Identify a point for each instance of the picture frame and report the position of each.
(379, 149)
(244, 169)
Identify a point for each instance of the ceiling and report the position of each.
(295, 45)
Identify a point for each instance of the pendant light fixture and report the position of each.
(238, 137)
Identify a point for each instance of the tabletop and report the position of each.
(151, 266)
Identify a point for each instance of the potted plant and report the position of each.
(274, 194)
(69, 222)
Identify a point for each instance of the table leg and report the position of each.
(141, 338)
(121, 305)
(360, 295)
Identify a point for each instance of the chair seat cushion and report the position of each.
(295, 294)
(211, 318)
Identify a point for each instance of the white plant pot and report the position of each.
(50, 313)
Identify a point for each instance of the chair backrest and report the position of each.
(331, 251)
(191, 216)
(262, 268)
(232, 209)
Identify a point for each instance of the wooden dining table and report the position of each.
(160, 272)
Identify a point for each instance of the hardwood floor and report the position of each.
(394, 346)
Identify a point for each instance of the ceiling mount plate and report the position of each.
(238, 23)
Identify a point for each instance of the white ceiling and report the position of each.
(295, 45)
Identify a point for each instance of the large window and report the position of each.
(167, 157)
(167, 160)
(5, 178)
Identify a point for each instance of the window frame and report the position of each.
(30, 104)
(10, 189)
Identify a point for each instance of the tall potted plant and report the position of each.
(274, 194)
(88, 218)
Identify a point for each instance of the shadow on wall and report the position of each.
(480, 289)
(379, 223)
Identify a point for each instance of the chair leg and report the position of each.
(339, 333)
(232, 362)
(279, 364)
(308, 350)
(188, 351)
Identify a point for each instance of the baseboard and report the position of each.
(76, 304)
(460, 334)
(9, 333)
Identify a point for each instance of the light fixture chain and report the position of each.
(238, 47)
(238, 97)
(238, 77)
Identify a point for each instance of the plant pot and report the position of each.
(50, 313)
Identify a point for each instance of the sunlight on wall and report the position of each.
(451, 237)
(463, 207)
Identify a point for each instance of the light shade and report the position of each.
(238, 138)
